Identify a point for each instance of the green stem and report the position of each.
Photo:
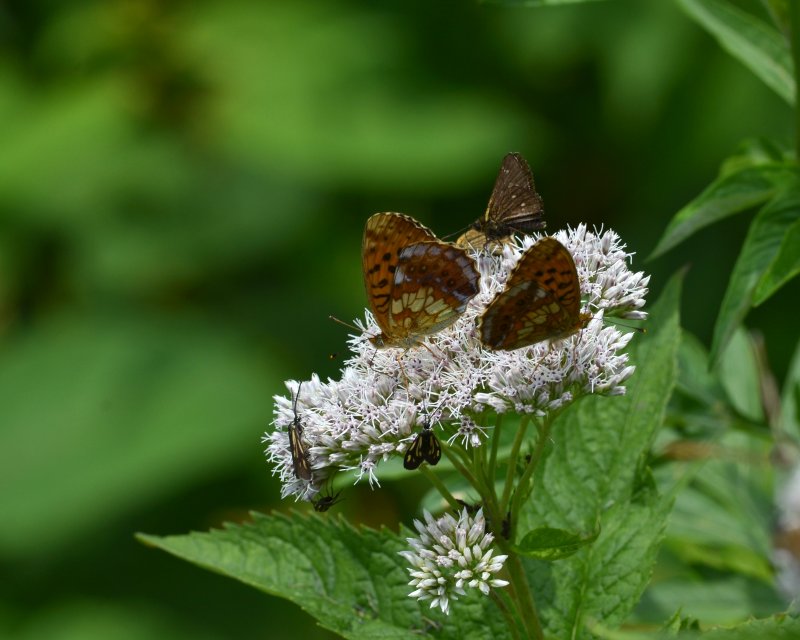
(500, 598)
(523, 490)
(492, 471)
(463, 470)
(512, 463)
(794, 36)
(436, 481)
(527, 607)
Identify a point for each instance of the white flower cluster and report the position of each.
(451, 382)
(450, 556)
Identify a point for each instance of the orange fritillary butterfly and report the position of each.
(514, 206)
(302, 468)
(541, 300)
(416, 284)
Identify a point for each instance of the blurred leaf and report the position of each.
(728, 502)
(760, 246)
(755, 44)
(739, 375)
(729, 194)
(679, 623)
(790, 398)
(777, 627)
(352, 580)
(90, 620)
(600, 447)
(712, 601)
(784, 266)
(534, 3)
(694, 377)
(341, 123)
(69, 154)
(101, 415)
(546, 543)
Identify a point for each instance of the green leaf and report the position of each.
(763, 240)
(758, 46)
(534, 3)
(777, 627)
(679, 623)
(102, 415)
(694, 377)
(729, 194)
(602, 581)
(593, 472)
(352, 580)
(82, 619)
(546, 543)
(790, 398)
(739, 376)
(784, 266)
(729, 600)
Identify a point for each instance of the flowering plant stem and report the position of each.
(503, 513)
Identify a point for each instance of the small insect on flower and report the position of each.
(323, 503)
(302, 468)
(425, 447)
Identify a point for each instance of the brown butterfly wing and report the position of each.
(385, 236)
(514, 206)
(541, 300)
(433, 283)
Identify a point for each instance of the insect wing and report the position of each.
(515, 205)
(302, 469)
(425, 447)
(431, 449)
(385, 236)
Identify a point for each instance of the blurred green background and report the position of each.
(183, 187)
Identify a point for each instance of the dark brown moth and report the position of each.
(514, 206)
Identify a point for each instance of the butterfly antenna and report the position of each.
(616, 323)
(296, 398)
(458, 233)
(345, 324)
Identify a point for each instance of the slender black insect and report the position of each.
(302, 468)
(425, 447)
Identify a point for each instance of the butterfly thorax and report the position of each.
(382, 341)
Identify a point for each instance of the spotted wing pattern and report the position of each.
(541, 300)
(425, 447)
(514, 206)
(416, 284)
(302, 468)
